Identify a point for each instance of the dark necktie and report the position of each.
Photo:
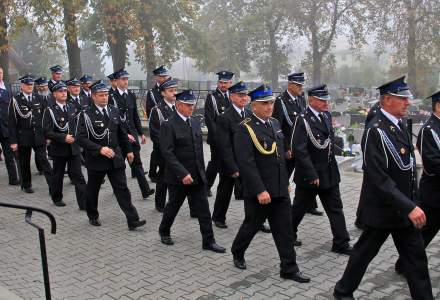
(104, 112)
(322, 118)
(401, 126)
(64, 108)
(242, 114)
(188, 122)
(30, 99)
(404, 130)
(174, 108)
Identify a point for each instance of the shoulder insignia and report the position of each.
(375, 125)
(245, 121)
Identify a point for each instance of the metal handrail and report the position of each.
(53, 228)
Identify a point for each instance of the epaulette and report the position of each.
(245, 121)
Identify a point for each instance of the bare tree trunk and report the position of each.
(115, 35)
(118, 49)
(273, 49)
(411, 51)
(4, 43)
(71, 38)
(150, 57)
(316, 56)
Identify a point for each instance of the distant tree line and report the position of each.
(222, 34)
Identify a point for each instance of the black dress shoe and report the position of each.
(343, 250)
(136, 224)
(166, 239)
(149, 193)
(59, 203)
(265, 228)
(214, 247)
(95, 222)
(339, 296)
(220, 224)
(14, 182)
(28, 190)
(297, 276)
(240, 263)
(209, 193)
(297, 243)
(315, 212)
(159, 209)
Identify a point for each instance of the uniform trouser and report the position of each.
(332, 203)
(73, 163)
(223, 196)
(290, 167)
(431, 227)
(278, 214)
(37, 162)
(118, 181)
(138, 171)
(11, 167)
(161, 186)
(153, 164)
(409, 244)
(198, 202)
(212, 168)
(24, 159)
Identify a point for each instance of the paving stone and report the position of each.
(110, 262)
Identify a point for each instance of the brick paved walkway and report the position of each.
(110, 262)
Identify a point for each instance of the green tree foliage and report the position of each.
(321, 22)
(412, 29)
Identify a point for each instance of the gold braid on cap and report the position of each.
(256, 142)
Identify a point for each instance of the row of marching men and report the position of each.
(37, 119)
(256, 149)
(260, 147)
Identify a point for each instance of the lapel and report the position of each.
(435, 123)
(293, 105)
(98, 117)
(236, 117)
(315, 122)
(400, 135)
(267, 131)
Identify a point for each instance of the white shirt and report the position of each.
(390, 117)
(2, 85)
(76, 98)
(262, 121)
(182, 116)
(61, 105)
(121, 92)
(238, 110)
(102, 108)
(315, 112)
(291, 96)
(170, 105)
(27, 96)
